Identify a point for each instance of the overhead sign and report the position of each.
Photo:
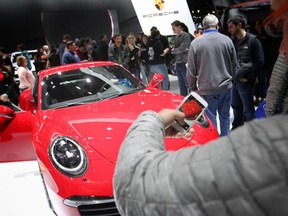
(161, 13)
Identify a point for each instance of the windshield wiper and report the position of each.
(63, 105)
(127, 92)
(119, 94)
(74, 104)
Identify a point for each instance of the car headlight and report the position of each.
(68, 156)
(203, 121)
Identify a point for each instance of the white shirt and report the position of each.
(26, 78)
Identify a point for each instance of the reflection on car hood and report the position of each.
(103, 125)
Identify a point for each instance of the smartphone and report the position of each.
(193, 106)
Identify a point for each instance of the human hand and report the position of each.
(172, 132)
(168, 116)
(167, 50)
(130, 47)
(243, 80)
(4, 98)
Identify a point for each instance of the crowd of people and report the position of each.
(231, 77)
(142, 55)
(243, 172)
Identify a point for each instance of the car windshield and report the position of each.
(87, 85)
(16, 54)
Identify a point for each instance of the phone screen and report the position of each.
(193, 106)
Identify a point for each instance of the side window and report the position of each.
(35, 91)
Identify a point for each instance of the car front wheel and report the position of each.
(171, 64)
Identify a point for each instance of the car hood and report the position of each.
(103, 125)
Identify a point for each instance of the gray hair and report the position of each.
(45, 47)
(210, 21)
(90, 47)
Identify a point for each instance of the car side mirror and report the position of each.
(6, 115)
(26, 101)
(156, 80)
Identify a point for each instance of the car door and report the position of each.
(15, 135)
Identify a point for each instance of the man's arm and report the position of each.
(191, 73)
(241, 166)
(238, 168)
(164, 41)
(126, 56)
(65, 59)
(257, 58)
(257, 54)
(184, 46)
(278, 87)
(234, 61)
(111, 56)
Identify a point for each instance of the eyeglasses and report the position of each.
(273, 24)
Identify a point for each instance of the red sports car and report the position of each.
(79, 115)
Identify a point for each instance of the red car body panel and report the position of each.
(99, 127)
(15, 136)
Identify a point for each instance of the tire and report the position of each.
(171, 65)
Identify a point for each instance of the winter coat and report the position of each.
(277, 94)
(214, 76)
(182, 43)
(243, 174)
(155, 49)
(250, 57)
(113, 55)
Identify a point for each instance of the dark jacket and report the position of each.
(94, 56)
(155, 49)
(54, 59)
(243, 174)
(250, 56)
(61, 49)
(134, 58)
(113, 55)
(164, 41)
(144, 56)
(102, 49)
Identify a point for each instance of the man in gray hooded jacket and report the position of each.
(244, 173)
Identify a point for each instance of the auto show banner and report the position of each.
(161, 13)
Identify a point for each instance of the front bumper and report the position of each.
(93, 205)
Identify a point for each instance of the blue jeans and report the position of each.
(161, 69)
(145, 72)
(182, 80)
(243, 102)
(220, 102)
